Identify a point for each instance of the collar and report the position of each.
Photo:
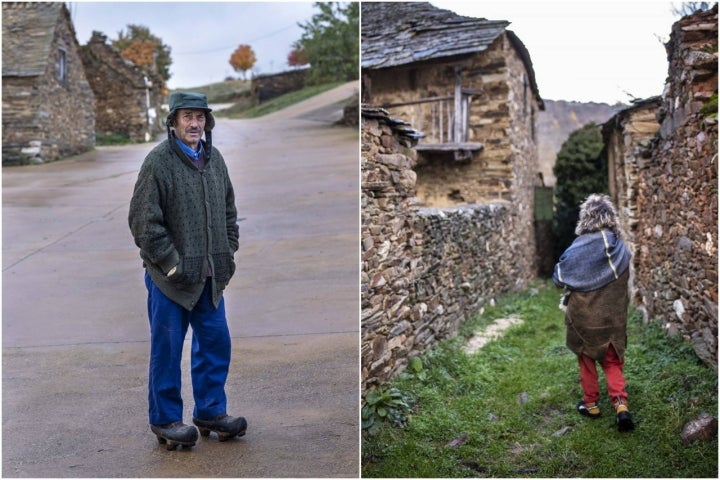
(194, 154)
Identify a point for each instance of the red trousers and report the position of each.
(612, 365)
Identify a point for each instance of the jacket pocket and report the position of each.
(189, 271)
(224, 267)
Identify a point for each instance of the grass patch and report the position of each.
(112, 139)
(222, 92)
(278, 103)
(508, 410)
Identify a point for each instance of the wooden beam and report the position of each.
(448, 147)
(415, 102)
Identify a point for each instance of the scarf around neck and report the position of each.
(593, 261)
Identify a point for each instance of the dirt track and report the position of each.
(74, 326)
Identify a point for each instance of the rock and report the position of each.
(703, 428)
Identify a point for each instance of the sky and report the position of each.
(203, 35)
(581, 50)
(605, 52)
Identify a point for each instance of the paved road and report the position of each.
(74, 326)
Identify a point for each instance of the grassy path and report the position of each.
(508, 410)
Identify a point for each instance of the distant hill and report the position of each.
(559, 120)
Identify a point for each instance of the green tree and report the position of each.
(136, 36)
(580, 169)
(331, 42)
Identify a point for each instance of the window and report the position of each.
(62, 65)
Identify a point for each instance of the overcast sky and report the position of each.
(581, 50)
(587, 51)
(203, 35)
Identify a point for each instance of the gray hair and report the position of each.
(597, 212)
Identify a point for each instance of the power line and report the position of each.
(219, 49)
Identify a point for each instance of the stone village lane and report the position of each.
(74, 325)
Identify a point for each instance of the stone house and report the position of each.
(47, 103)
(666, 187)
(449, 165)
(127, 98)
(468, 84)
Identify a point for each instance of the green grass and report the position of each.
(476, 400)
(278, 103)
(112, 139)
(222, 92)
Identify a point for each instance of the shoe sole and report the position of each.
(624, 422)
(222, 436)
(171, 444)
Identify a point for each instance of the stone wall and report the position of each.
(121, 93)
(45, 118)
(424, 270)
(676, 235)
(629, 138)
(267, 87)
(502, 118)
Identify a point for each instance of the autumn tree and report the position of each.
(145, 50)
(242, 59)
(297, 58)
(140, 52)
(331, 42)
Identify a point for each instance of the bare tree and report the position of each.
(688, 8)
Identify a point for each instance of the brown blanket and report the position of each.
(597, 319)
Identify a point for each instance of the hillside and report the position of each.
(561, 118)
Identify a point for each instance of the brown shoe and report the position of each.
(591, 409)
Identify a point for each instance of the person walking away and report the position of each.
(594, 271)
(183, 218)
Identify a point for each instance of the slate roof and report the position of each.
(398, 33)
(28, 30)
(401, 33)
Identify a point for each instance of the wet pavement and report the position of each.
(74, 325)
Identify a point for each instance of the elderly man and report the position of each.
(183, 218)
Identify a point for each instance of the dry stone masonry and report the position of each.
(663, 156)
(424, 270)
(127, 99)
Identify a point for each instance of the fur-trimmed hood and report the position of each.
(597, 212)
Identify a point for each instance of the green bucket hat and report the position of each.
(190, 100)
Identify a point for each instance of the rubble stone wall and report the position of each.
(629, 138)
(677, 202)
(424, 270)
(267, 87)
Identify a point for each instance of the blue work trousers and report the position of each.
(210, 355)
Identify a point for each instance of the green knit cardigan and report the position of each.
(186, 218)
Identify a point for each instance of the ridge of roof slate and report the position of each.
(28, 30)
(394, 34)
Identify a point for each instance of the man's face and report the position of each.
(189, 126)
